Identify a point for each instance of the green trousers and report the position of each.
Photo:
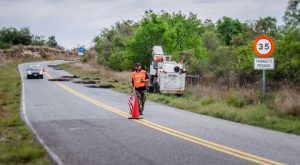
(141, 94)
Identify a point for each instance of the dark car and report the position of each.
(35, 71)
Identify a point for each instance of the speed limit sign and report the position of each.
(263, 46)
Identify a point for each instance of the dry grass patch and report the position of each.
(103, 72)
(288, 102)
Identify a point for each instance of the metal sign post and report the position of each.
(263, 46)
(263, 83)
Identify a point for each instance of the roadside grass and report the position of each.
(17, 143)
(229, 105)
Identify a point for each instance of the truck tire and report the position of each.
(151, 89)
(156, 89)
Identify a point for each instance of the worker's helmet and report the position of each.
(137, 64)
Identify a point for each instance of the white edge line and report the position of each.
(54, 157)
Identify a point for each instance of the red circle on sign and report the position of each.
(258, 39)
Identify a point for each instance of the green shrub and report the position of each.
(236, 101)
(208, 101)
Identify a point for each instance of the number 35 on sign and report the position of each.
(263, 46)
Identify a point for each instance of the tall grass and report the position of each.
(288, 102)
(17, 144)
(92, 70)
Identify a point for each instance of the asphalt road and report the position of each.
(81, 125)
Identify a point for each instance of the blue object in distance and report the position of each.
(81, 49)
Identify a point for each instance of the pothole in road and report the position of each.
(91, 78)
(59, 79)
(84, 82)
(112, 81)
(99, 86)
(69, 77)
(63, 78)
(52, 66)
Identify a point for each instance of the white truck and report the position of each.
(166, 76)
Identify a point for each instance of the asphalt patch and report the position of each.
(69, 77)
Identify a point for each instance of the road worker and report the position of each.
(140, 80)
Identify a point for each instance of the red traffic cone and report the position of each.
(136, 112)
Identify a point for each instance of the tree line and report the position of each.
(219, 49)
(12, 36)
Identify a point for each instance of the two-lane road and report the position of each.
(81, 125)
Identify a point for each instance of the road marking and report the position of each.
(181, 135)
(54, 157)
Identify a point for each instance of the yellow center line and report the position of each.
(178, 134)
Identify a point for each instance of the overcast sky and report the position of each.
(76, 22)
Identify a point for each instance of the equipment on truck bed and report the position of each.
(166, 76)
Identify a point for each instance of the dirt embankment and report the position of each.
(35, 52)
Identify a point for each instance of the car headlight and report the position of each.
(41, 72)
(28, 72)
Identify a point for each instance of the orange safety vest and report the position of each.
(137, 77)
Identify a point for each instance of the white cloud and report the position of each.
(78, 22)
